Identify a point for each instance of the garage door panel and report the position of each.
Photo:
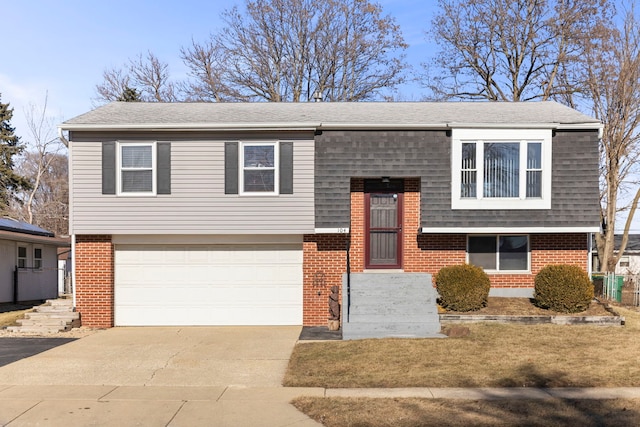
(208, 285)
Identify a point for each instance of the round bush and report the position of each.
(463, 287)
(563, 288)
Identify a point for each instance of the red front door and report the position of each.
(383, 232)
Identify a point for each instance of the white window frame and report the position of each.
(497, 237)
(154, 170)
(276, 168)
(36, 259)
(482, 136)
(25, 257)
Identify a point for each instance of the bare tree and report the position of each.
(44, 164)
(512, 50)
(206, 63)
(289, 50)
(115, 82)
(612, 75)
(145, 74)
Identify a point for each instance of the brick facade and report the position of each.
(325, 254)
(94, 280)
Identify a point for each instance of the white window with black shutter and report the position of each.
(136, 168)
(259, 168)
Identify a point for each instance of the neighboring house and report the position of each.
(28, 262)
(629, 262)
(245, 214)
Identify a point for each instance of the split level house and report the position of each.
(249, 213)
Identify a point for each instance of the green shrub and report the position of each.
(563, 288)
(463, 287)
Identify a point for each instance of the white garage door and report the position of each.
(208, 285)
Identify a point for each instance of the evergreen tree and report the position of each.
(129, 94)
(10, 146)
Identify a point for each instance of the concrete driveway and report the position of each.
(163, 356)
(195, 376)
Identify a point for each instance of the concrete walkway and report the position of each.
(221, 406)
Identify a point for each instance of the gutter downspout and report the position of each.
(64, 140)
(73, 269)
(348, 277)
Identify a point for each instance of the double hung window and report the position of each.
(259, 168)
(137, 165)
(37, 258)
(501, 169)
(22, 257)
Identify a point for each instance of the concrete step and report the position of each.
(362, 330)
(390, 305)
(51, 317)
(37, 329)
(72, 315)
(43, 322)
(53, 309)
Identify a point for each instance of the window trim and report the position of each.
(482, 136)
(497, 236)
(275, 168)
(119, 170)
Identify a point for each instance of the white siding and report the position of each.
(197, 203)
(33, 284)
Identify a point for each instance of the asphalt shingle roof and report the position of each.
(327, 114)
(9, 224)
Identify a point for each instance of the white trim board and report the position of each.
(503, 230)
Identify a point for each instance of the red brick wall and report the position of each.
(94, 280)
(325, 260)
(325, 254)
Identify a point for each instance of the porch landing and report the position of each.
(387, 305)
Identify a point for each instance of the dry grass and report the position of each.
(9, 315)
(343, 412)
(493, 355)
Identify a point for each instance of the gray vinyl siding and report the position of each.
(341, 155)
(197, 203)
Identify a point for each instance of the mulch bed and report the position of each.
(497, 306)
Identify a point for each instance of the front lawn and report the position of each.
(493, 355)
(343, 412)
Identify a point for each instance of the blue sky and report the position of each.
(62, 47)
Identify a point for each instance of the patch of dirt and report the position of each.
(525, 307)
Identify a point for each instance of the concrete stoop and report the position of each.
(386, 305)
(56, 315)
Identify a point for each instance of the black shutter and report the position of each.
(109, 167)
(286, 168)
(230, 168)
(164, 168)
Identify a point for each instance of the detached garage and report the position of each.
(223, 284)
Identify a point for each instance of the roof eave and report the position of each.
(182, 127)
